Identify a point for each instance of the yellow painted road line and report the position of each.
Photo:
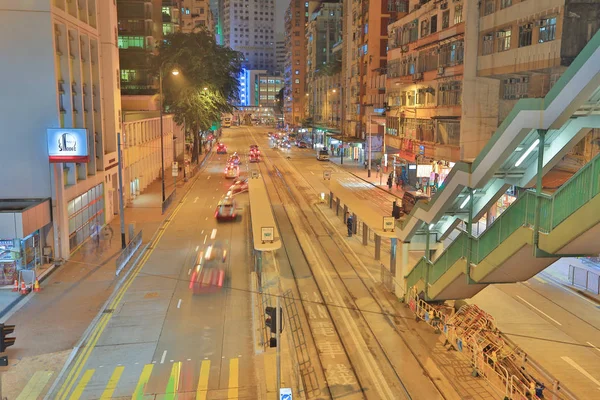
(35, 386)
(141, 385)
(202, 389)
(540, 279)
(82, 359)
(173, 385)
(82, 384)
(112, 383)
(234, 366)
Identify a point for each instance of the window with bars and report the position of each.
(445, 19)
(448, 132)
(525, 35)
(503, 39)
(488, 44)
(428, 60)
(547, 30)
(505, 3)
(458, 18)
(449, 93)
(515, 88)
(489, 7)
(451, 54)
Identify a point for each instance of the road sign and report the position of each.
(327, 174)
(175, 169)
(285, 394)
(388, 224)
(254, 174)
(267, 234)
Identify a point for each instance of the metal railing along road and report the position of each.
(128, 252)
(554, 209)
(587, 280)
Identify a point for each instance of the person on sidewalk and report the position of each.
(349, 223)
(398, 182)
(390, 181)
(377, 170)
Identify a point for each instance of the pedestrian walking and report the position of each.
(389, 181)
(349, 223)
(398, 182)
(377, 170)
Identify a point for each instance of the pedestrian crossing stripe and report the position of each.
(40, 379)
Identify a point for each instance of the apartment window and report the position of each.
(458, 14)
(547, 30)
(525, 32)
(297, 80)
(428, 60)
(128, 75)
(424, 28)
(445, 19)
(420, 97)
(489, 7)
(451, 54)
(126, 42)
(505, 3)
(503, 39)
(449, 93)
(448, 132)
(515, 88)
(488, 44)
(433, 27)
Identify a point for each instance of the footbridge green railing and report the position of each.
(555, 208)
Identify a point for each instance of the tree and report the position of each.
(208, 83)
(279, 98)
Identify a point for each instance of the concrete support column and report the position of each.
(393, 249)
(354, 224)
(377, 247)
(406, 267)
(365, 234)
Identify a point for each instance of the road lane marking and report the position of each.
(597, 349)
(112, 383)
(103, 321)
(540, 311)
(35, 386)
(312, 172)
(202, 389)
(208, 177)
(196, 199)
(201, 232)
(82, 384)
(232, 392)
(189, 271)
(580, 369)
(162, 359)
(197, 247)
(214, 233)
(173, 385)
(141, 385)
(205, 236)
(179, 304)
(206, 219)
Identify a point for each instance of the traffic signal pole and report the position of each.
(277, 337)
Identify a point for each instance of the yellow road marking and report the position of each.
(141, 385)
(173, 385)
(35, 385)
(82, 384)
(203, 381)
(112, 383)
(82, 359)
(540, 279)
(232, 392)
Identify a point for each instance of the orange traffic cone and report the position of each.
(36, 286)
(23, 288)
(16, 286)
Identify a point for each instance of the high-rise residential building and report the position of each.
(249, 27)
(196, 14)
(280, 53)
(365, 57)
(323, 65)
(61, 113)
(216, 6)
(141, 26)
(294, 98)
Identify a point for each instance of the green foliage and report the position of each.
(279, 98)
(331, 68)
(207, 83)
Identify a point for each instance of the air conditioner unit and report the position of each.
(441, 71)
(404, 48)
(417, 76)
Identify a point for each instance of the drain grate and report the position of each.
(108, 311)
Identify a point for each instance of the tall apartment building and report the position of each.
(196, 14)
(296, 17)
(249, 27)
(141, 25)
(365, 60)
(280, 53)
(323, 65)
(60, 110)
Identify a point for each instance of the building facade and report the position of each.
(196, 14)
(295, 93)
(280, 53)
(67, 80)
(141, 25)
(249, 27)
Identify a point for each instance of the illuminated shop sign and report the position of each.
(68, 145)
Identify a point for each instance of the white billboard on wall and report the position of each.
(68, 145)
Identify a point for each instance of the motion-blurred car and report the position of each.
(221, 148)
(234, 159)
(239, 186)
(254, 157)
(208, 273)
(285, 144)
(226, 209)
(302, 145)
(232, 171)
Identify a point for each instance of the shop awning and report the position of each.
(21, 217)
(348, 139)
(405, 155)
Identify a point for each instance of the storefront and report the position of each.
(23, 227)
(85, 211)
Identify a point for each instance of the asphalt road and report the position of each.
(161, 340)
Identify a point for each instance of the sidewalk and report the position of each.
(358, 170)
(72, 295)
(559, 272)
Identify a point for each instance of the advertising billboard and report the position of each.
(68, 145)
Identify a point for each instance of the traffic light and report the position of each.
(271, 321)
(6, 342)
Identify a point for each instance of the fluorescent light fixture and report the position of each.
(464, 203)
(431, 226)
(528, 152)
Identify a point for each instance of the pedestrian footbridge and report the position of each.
(538, 227)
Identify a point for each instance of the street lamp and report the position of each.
(160, 106)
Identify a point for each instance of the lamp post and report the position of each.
(160, 106)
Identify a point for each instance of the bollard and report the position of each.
(377, 247)
(365, 234)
